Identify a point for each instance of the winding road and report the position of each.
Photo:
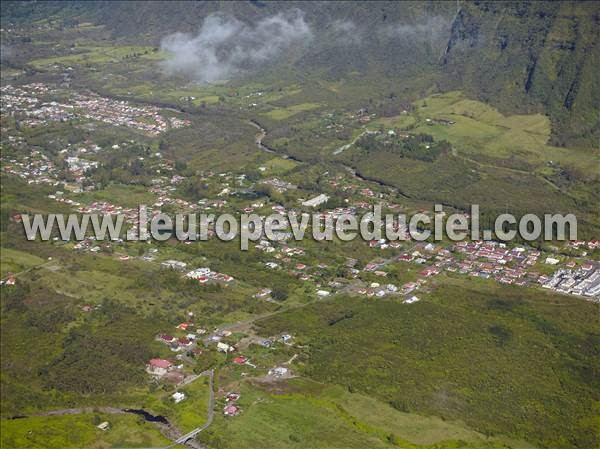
(209, 419)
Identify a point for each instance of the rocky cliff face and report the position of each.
(521, 56)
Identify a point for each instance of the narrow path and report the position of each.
(291, 360)
(343, 148)
(27, 270)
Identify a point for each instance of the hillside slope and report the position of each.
(520, 57)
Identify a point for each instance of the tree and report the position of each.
(280, 293)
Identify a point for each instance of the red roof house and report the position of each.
(231, 410)
(158, 367)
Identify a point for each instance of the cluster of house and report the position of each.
(204, 275)
(106, 207)
(89, 243)
(188, 346)
(283, 255)
(279, 185)
(177, 344)
(281, 251)
(582, 244)
(488, 260)
(185, 345)
(582, 281)
(79, 166)
(10, 279)
(122, 113)
(70, 167)
(27, 102)
(380, 290)
(481, 259)
(231, 407)
(164, 189)
(496, 261)
(36, 168)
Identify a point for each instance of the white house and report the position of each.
(224, 347)
(316, 201)
(178, 397)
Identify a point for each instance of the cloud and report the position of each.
(226, 47)
(346, 32)
(431, 30)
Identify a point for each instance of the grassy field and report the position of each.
(471, 351)
(125, 195)
(15, 261)
(418, 429)
(279, 166)
(189, 413)
(399, 121)
(302, 413)
(287, 112)
(481, 131)
(79, 432)
(493, 160)
(494, 157)
(98, 55)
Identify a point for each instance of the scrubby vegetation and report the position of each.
(520, 344)
(420, 146)
(405, 103)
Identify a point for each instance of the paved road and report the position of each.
(211, 414)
